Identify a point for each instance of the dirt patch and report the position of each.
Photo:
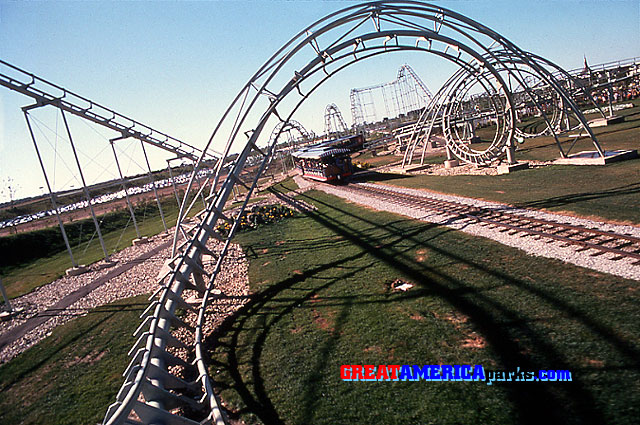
(594, 363)
(474, 341)
(456, 318)
(470, 338)
(421, 255)
(323, 322)
(417, 317)
(373, 349)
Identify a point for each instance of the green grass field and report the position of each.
(73, 375)
(611, 192)
(23, 278)
(321, 299)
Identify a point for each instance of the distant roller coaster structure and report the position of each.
(407, 93)
(334, 124)
(151, 392)
(294, 131)
(47, 94)
(288, 135)
(455, 109)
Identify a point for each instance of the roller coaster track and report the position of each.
(153, 393)
(47, 93)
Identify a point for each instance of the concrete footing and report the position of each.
(510, 168)
(594, 158)
(140, 241)
(406, 170)
(75, 271)
(412, 168)
(196, 301)
(166, 268)
(450, 163)
(603, 122)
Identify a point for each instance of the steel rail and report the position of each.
(607, 66)
(517, 222)
(151, 392)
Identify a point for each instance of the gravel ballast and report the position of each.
(139, 279)
(531, 245)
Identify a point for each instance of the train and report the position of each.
(328, 161)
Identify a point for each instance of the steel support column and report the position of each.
(124, 186)
(84, 186)
(5, 296)
(51, 194)
(204, 203)
(153, 184)
(173, 182)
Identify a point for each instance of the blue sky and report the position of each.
(177, 65)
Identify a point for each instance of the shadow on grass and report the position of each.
(497, 323)
(558, 201)
(107, 311)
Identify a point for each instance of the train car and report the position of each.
(324, 163)
(354, 143)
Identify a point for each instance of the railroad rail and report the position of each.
(585, 238)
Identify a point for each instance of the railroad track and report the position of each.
(592, 241)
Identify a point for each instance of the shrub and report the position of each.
(257, 216)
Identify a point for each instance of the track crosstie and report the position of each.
(592, 241)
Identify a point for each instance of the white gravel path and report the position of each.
(138, 280)
(529, 244)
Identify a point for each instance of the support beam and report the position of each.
(84, 186)
(47, 93)
(124, 186)
(153, 184)
(204, 203)
(4, 295)
(173, 182)
(51, 194)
